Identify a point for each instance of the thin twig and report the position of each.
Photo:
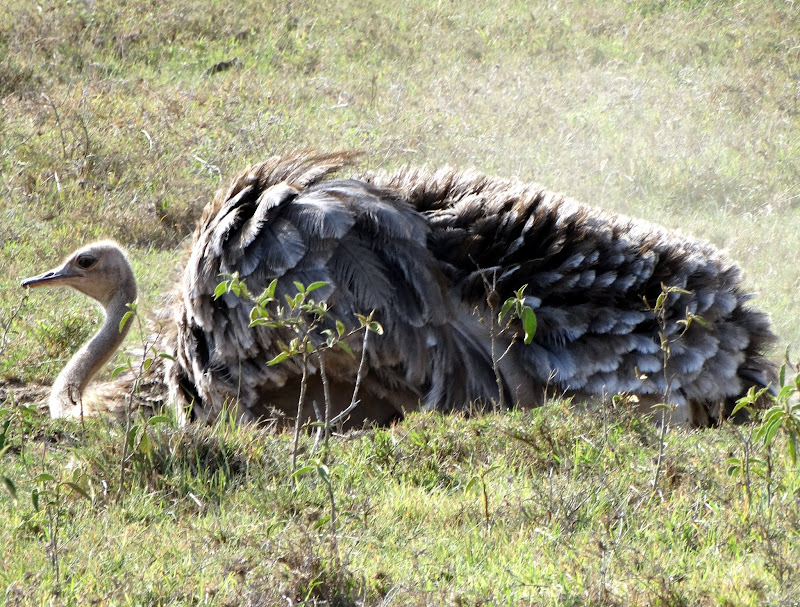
(318, 433)
(491, 297)
(660, 314)
(354, 401)
(326, 391)
(299, 416)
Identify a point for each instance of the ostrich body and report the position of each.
(423, 250)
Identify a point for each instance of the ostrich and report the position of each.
(431, 253)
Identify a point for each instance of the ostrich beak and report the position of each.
(56, 276)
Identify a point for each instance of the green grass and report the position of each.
(211, 515)
(685, 113)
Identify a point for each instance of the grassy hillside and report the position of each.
(121, 119)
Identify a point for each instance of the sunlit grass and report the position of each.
(566, 514)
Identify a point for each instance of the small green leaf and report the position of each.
(166, 356)
(144, 444)
(340, 327)
(304, 470)
(343, 345)
(279, 358)
(528, 323)
(324, 473)
(12, 489)
(771, 430)
(125, 318)
(509, 303)
(734, 466)
(315, 285)
(35, 499)
(375, 327)
(743, 403)
(222, 289)
(4, 433)
(158, 419)
(44, 477)
(77, 489)
(472, 482)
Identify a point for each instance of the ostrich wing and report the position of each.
(370, 247)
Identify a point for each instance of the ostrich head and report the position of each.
(98, 270)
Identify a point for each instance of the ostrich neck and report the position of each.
(65, 397)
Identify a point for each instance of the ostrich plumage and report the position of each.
(427, 251)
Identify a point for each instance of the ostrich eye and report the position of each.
(86, 261)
